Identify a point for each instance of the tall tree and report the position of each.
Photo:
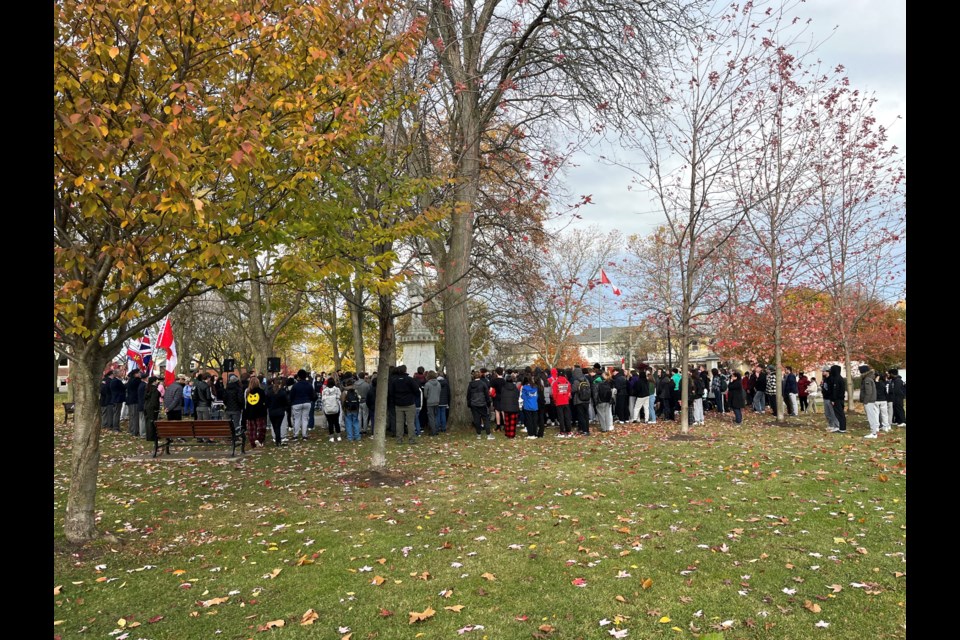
(181, 132)
(534, 66)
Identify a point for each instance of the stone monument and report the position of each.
(418, 343)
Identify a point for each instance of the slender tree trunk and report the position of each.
(684, 378)
(80, 523)
(56, 372)
(388, 354)
(848, 367)
(356, 330)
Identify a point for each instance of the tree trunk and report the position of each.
(388, 354)
(356, 330)
(56, 372)
(80, 524)
(456, 321)
(684, 379)
(848, 367)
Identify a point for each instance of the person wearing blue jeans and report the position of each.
(352, 421)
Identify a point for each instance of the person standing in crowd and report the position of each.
(738, 397)
(827, 394)
(665, 395)
(882, 394)
(431, 395)
(330, 402)
(278, 405)
(621, 403)
(697, 391)
(897, 394)
(218, 388)
(301, 399)
(478, 394)
(202, 397)
(444, 404)
(838, 393)
(651, 398)
(350, 401)
(405, 391)
(772, 389)
(868, 396)
(632, 393)
(759, 390)
(151, 408)
(529, 394)
(582, 395)
(254, 418)
(187, 397)
(718, 385)
(496, 383)
(233, 402)
(362, 386)
(117, 395)
(560, 392)
(173, 400)
(803, 386)
(813, 392)
(106, 406)
(132, 396)
(605, 396)
(676, 395)
(790, 391)
(510, 404)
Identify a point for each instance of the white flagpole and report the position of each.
(600, 322)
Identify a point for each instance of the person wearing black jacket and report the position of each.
(202, 397)
(278, 406)
(132, 397)
(405, 392)
(254, 418)
(897, 393)
(477, 396)
(233, 401)
(665, 394)
(117, 395)
(151, 407)
(838, 392)
(301, 401)
(106, 407)
(738, 397)
(622, 401)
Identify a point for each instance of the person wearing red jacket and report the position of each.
(561, 397)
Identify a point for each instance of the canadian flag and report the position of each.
(165, 341)
(605, 280)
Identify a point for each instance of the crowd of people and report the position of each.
(500, 400)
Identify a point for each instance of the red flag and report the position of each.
(165, 341)
(605, 280)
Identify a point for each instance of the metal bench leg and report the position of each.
(168, 446)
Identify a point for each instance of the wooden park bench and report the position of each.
(190, 429)
(68, 410)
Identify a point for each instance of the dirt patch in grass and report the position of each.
(686, 437)
(375, 478)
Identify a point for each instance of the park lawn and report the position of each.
(748, 532)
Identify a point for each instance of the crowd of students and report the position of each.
(499, 400)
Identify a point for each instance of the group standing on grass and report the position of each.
(499, 400)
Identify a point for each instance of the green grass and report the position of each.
(721, 525)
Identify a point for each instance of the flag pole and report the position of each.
(600, 323)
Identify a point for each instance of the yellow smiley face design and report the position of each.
(253, 398)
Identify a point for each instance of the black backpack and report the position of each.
(353, 400)
(583, 391)
(723, 383)
(604, 392)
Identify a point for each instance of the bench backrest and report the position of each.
(193, 428)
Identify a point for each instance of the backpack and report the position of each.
(331, 400)
(477, 396)
(723, 383)
(352, 401)
(583, 391)
(604, 392)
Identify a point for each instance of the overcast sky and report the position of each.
(870, 41)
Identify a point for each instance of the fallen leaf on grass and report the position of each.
(622, 633)
(457, 608)
(620, 599)
(155, 619)
(421, 616)
(646, 584)
(348, 636)
(304, 560)
(578, 582)
(271, 625)
(213, 601)
(811, 606)
(273, 574)
(835, 587)
(664, 620)
(861, 551)
(57, 590)
(546, 628)
(309, 617)
(385, 613)
(446, 593)
(179, 572)
(488, 576)
(378, 580)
